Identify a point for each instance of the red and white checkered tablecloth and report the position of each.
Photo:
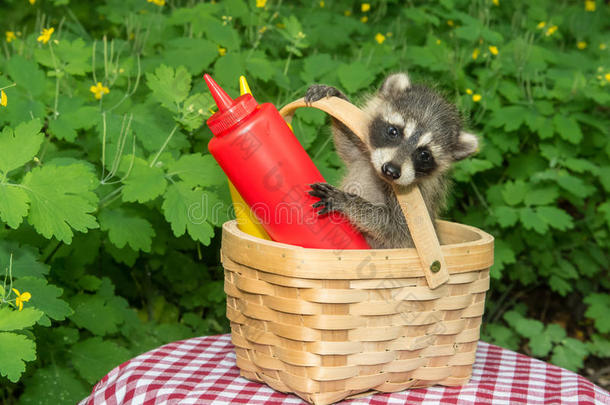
(202, 371)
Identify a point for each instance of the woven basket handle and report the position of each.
(410, 199)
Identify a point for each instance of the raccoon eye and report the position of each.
(424, 155)
(393, 132)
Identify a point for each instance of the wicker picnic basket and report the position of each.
(330, 324)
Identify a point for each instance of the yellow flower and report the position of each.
(99, 90)
(607, 76)
(551, 30)
(322, 4)
(365, 7)
(476, 98)
(159, 3)
(3, 99)
(581, 45)
(496, 2)
(379, 38)
(468, 91)
(347, 13)
(32, 2)
(590, 5)
(438, 42)
(261, 3)
(45, 35)
(364, 19)
(21, 298)
(541, 25)
(222, 51)
(10, 36)
(475, 53)
(450, 23)
(493, 49)
(602, 46)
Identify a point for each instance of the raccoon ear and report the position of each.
(467, 144)
(396, 83)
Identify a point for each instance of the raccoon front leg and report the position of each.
(319, 91)
(376, 221)
(348, 146)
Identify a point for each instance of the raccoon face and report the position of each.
(414, 133)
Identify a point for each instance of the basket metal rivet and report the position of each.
(435, 266)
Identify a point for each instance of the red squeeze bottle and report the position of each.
(272, 172)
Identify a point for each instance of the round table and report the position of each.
(202, 370)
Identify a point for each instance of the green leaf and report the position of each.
(354, 76)
(61, 199)
(556, 333)
(127, 228)
(224, 35)
(317, 66)
(604, 210)
(560, 285)
(502, 336)
(570, 354)
(604, 177)
(14, 320)
(195, 110)
(54, 385)
(198, 170)
(26, 74)
(228, 68)
(555, 217)
(25, 260)
(97, 313)
(568, 128)
(19, 146)
(506, 216)
(541, 195)
(189, 209)
(15, 350)
(13, 205)
(503, 255)
(598, 346)
(169, 87)
(529, 327)
(540, 344)
(599, 308)
(531, 220)
(259, 66)
(510, 117)
(45, 297)
(194, 53)
(93, 358)
(575, 185)
(144, 183)
(514, 192)
(73, 116)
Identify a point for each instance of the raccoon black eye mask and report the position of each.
(414, 137)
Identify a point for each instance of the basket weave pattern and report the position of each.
(327, 325)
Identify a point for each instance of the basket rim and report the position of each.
(311, 263)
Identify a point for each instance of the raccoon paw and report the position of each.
(331, 198)
(319, 91)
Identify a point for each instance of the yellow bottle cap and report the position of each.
(243, 86)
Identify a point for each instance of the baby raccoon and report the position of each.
(414, 136)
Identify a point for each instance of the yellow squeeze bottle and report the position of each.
(246, 221)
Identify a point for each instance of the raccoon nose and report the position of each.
(391, 170)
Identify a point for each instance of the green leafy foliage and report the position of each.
(111, 207)
(15, 350)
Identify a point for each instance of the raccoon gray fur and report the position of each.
(414, 137)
